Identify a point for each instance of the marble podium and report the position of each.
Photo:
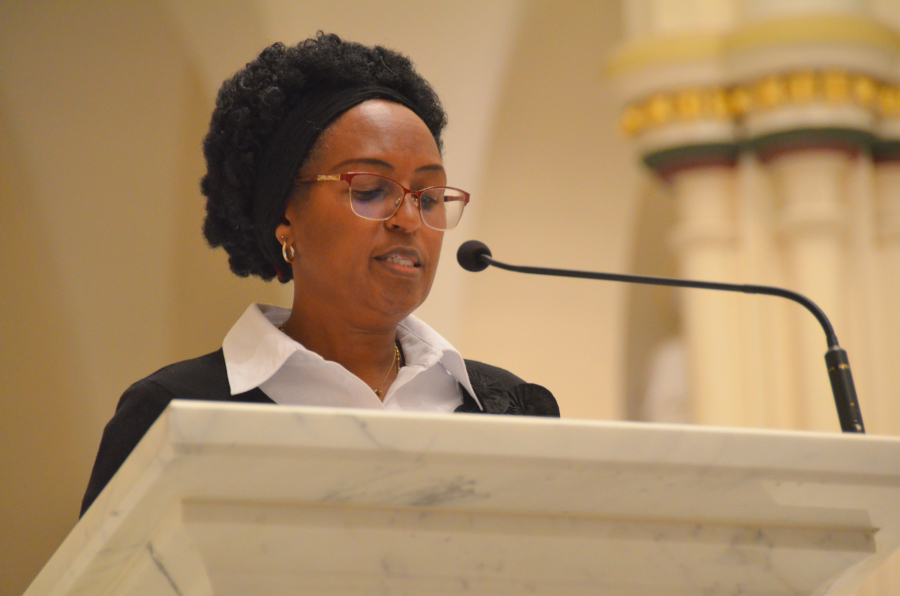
(226, 500)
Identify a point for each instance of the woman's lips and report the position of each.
(401, 255)
(401, 260)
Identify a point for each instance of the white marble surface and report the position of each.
(254, 499)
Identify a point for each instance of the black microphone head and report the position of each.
(470, 253)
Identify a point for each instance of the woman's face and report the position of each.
(372, 273)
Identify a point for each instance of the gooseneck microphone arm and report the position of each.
(476, 256)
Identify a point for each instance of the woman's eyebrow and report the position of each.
(371, 161)
(365, 160)
(431, 168)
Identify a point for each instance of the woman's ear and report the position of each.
(284, 233)
(287, 228)
(289, 231)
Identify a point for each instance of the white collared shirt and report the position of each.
(257, 354)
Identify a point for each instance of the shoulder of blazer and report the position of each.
(203, 378)
(502, 392)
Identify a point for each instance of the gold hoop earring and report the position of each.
(287, 252)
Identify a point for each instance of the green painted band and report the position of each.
(886, 151)
(667, 161)
(687, 156)
(847, 139)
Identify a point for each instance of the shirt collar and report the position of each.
(255, 349)
(424, 346)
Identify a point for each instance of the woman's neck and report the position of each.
(366, 351)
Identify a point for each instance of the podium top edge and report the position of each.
(194, 424)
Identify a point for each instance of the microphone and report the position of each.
(470, 254)
(476, 256)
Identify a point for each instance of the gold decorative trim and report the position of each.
(660, 51)
(828, 29)
(805, 87)
(663, 51)
(888, 101)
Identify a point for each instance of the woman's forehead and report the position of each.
(378, 131)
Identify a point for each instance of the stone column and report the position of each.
(706, 241)
(811, 188)
(687, 139)
(886, 157)
(808, 128)
(776, 127)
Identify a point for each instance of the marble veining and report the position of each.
(162, 568)
(229, 499)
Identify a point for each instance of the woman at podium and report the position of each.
(324, 168)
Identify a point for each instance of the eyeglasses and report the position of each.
(379, 198)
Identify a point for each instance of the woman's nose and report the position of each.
(407, 215)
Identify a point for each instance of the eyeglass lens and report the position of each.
(374, 197)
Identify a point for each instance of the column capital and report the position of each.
(785, 82)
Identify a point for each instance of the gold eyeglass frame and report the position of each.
(416, 195)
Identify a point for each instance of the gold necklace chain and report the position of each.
(394, 361)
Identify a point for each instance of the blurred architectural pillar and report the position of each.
(812, 227)
(776, 127)
(700, 173)
(807, 89)
(887, 230)
(680, 117)
(705, 243)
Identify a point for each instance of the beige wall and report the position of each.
(558, 190)
(105, 275)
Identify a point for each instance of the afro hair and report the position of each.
(253, 104)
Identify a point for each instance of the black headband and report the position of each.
(289, 147)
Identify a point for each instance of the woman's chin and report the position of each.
(394, 306)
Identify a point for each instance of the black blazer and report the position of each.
(205, 378)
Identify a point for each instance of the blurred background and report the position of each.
(747, 141)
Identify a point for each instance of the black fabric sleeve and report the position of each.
(138, 409)
(505, 379)
(204, 378)
(533, 400)
(501, 392)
